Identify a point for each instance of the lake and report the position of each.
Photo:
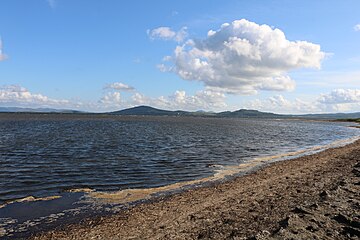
(44, 154)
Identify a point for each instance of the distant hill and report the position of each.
(242, 113)
(36, 110)
(330, 115)
(151, 111)
(146, 111)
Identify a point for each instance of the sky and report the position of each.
(99, 56)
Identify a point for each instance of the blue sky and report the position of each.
(279, 56)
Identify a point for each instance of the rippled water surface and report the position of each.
(41, 155)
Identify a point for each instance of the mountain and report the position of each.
(36, 110)
(148, 111)
(242, 113)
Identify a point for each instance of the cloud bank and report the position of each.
(279, 104)
(17, 95)
(341, 96)
(338, 100)
(243, 57)
(179, 100)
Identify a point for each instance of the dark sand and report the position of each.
(311, 197)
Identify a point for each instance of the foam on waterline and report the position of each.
(31, 199)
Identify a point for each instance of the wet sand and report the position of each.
(311, 197)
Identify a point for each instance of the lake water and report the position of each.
(43, 155)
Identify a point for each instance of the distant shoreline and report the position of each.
(285, 199)
(80, 116)
(151, 111)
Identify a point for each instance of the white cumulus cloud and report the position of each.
(112, 99)
(243, 57)
(204, 99)
(119, 86)
(2, 55)
(166, 33)
(140, 99)
(357, 27)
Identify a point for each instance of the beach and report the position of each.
(179, 120)
(310, 197)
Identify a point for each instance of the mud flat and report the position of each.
(310, 197)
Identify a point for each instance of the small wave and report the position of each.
(133, 195)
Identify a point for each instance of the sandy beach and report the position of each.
(311, 197)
